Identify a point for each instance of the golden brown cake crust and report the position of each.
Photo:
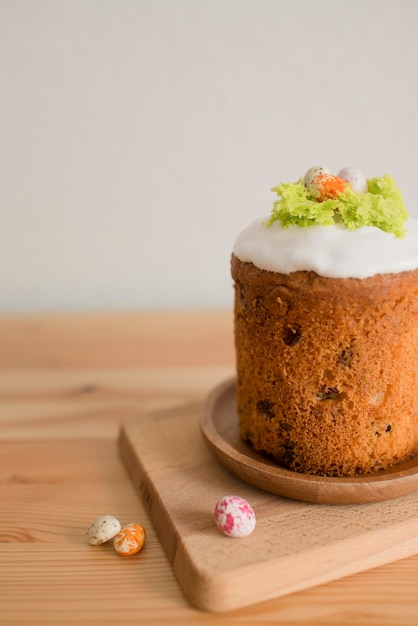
(326, 368)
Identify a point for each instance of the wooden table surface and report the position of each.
(67, 382)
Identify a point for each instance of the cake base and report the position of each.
(219, 424)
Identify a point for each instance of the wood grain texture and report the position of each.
(67, 383)
(119, 340)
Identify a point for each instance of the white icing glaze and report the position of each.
(332, 251)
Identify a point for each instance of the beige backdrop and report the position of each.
(139, 136)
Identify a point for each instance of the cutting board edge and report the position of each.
(207, 590)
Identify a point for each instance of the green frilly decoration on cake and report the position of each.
(381, 205)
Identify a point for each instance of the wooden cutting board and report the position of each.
(295, 545)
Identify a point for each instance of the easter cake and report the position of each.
(326, 326)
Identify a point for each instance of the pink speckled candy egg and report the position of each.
(356, 178)
(234, 516)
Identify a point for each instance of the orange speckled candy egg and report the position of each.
(325, 186)
(129, 540)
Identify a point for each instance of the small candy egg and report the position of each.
(325, 186)
(312, 172)
(356, 178)
(129, 540)
(234, 516)
(102, 529)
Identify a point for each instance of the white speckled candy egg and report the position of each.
(103, 529)
(356, 178)
(129, 540)
(234, 516)
(313, 172)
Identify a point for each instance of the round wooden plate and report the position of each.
(219, 425)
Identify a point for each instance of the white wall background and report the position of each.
(139, 136)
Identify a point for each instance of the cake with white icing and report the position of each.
(326, 326)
